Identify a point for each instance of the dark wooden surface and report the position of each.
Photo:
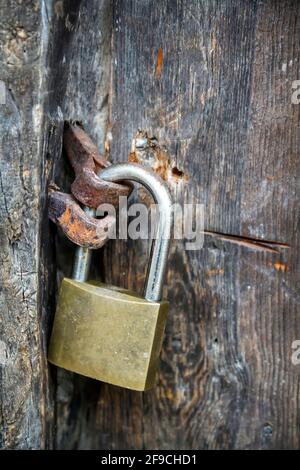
(212, 81)
(26, 407)
(222, 106)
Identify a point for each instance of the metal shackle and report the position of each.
(161, 243)
(160, 248)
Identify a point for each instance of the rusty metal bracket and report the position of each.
(86, 161)
(78, 225)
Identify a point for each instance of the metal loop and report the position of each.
(161, 243)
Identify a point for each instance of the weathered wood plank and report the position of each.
(212, 81)
(79, 60)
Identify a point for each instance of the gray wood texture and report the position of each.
(26, 408)
(212, 81)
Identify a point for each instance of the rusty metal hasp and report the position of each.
(79, 225)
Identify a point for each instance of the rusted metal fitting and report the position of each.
(77, 225)
(80, 226)
(87, 163)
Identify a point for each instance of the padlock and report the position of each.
(108, 333)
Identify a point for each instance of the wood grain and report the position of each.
(221, 104)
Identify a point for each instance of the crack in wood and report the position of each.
(249, 242)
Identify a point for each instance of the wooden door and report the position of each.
(215, 83)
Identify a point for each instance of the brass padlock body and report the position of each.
(108, 334)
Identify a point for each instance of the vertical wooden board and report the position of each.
(204, 78)
(26, 406)
(212, 81)
(268, 300)
(79, 84)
